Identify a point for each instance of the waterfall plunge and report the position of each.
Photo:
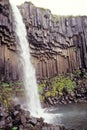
(30, 84)
(31, 88)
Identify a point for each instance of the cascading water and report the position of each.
(31, 88)
(30, 84)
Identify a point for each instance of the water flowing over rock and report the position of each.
(17, 118)
(57, 44)
(32, 96)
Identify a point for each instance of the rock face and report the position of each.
(8, 55)
(58, 44)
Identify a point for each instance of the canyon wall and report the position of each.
(8, 54)
(58, 44)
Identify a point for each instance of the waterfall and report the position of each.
(30, 84)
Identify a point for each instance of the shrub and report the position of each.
(15, 128)
(65, 82)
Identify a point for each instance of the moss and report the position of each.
(47, 94)
(78, 73)
(55, 18)
(18, 83)
(42, 98)
(41, 86)
(44, 9)
(55, 86)
(85, 75)
(7, 90)
(15, 128)
(65, 82)
(4, 84)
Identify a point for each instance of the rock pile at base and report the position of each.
(15, 118)
(77, 95)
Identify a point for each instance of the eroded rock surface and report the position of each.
(8, 54)
(58, 44)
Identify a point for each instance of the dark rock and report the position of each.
(55, 42)
(52, 37)
(2, 124)
(21, 127)
(33, 121)
(17, 107)
(49, 100)
(21, 122)
(27, 115)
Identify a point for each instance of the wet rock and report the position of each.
(2, 124)
(20, 121)
(33, 121)
(23, 120)
(17, 107)
(53, 42)
(49, 100)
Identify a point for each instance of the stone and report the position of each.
(49, 101)
(16, 113)
(44, 128)
(21, 127)
(2, 123)
(33, 121)
(17, 107)
(23, 120)
(27, 115)
(47, 35)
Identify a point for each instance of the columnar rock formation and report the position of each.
(8, 55)
(58, 44)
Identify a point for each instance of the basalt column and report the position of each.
(8, 54)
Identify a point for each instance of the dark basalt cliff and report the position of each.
(8, 54)
(58, 44)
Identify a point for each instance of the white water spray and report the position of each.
(33, 101)
(30, 84)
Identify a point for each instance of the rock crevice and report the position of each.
(8, 54)
(58, 44)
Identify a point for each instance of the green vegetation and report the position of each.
(51, 87)
(43, 9)
(77, 73)
(65, 82)
(31, 126)
(55, 86)
(56, 18)
(15, 128)
(85, 75)
(7, 90)
(41, 86)
(5, 93)
(75, 49)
